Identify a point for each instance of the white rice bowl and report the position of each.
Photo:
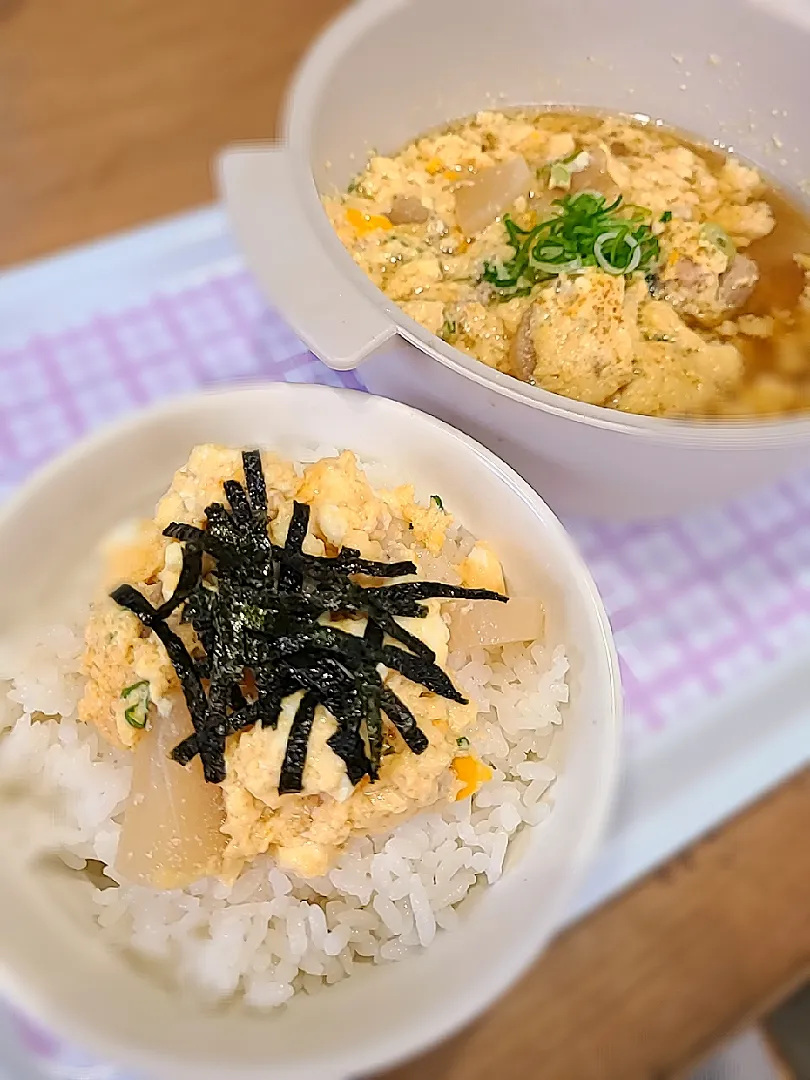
(462, 897)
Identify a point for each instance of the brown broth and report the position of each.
(781, 279)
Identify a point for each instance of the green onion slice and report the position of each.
(718, 236)
(138, 700)
(559, 176)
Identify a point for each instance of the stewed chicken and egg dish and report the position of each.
(603, 258)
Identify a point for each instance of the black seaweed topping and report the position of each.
(257, 615)
(292, 769)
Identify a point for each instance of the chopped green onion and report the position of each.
(585, 231)
(138, 700)
(554, 268)
(609, 265)
(666, 216)
(714, 234)
(559, 176)
(448, 329)
(514, 231)
(463, 743)
(436, 499)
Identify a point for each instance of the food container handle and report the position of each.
(335, 320)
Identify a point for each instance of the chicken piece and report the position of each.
(595, 177)
(676, 372)
(407, 210)
(576, 339)
(702, 277)
(522, 358)
(706, 295)
(738, 282)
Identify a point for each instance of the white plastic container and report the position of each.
(731, 70)
(52, 962)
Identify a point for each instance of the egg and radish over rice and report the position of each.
(301, 718)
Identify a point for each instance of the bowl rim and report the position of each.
(300, 107)
(502, 974)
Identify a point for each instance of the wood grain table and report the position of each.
(110, 111)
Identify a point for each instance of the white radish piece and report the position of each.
(486, 623)
(491, 193)
(170, 835)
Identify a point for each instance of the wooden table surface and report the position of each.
(110, 111)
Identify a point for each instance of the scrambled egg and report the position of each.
(582, 335)
(304, 831)
(674, 368)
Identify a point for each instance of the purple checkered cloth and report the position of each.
(697, 603)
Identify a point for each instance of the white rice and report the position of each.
(271, 934)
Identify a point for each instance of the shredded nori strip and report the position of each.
(403, 720)
(289, 579)
(184, 666)
(255, 483)
(261, 616)
(419, 670)
(190, 574)
(238, 502)
(292, 768)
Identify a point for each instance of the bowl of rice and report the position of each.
(309, 713)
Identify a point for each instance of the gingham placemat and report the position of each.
(696, 603)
